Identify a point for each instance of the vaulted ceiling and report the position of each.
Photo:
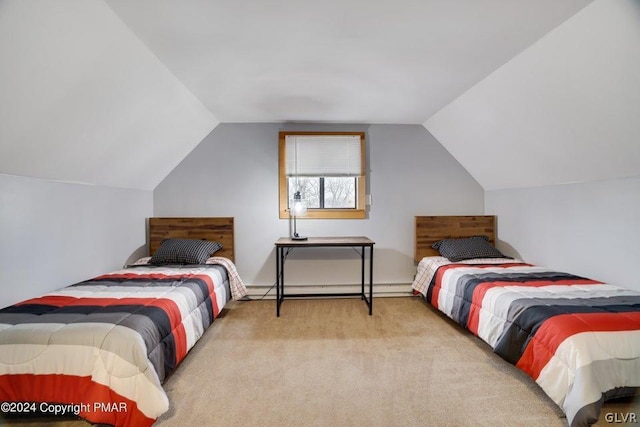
(118, 92)
(565, 110)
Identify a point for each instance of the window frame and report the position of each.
(326, 213)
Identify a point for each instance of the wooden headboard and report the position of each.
(214, 229)
(430, 229)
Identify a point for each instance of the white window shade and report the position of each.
(326, 155)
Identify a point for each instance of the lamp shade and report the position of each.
(299, 206)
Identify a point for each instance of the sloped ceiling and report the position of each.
(117, 92)
(83, 100)
(564, 110)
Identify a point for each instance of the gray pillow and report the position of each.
(184, 251)
(467, 248)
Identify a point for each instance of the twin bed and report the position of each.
(579, 339)
(100, 349)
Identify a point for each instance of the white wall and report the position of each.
(589, 229)
(82, 99)
(234, 172)
(54, 234)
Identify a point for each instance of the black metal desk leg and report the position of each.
(282, 257)
(278, 267)
(362, 275)
(370, 279)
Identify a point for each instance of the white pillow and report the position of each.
(142, 261)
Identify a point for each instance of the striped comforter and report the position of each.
(579, 339)
(101, 348)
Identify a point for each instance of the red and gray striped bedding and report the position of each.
(579, 339)
(105, 345)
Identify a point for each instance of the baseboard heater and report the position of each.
(379, 290)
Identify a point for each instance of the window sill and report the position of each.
(329, 214)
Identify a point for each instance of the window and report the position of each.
(327, 168)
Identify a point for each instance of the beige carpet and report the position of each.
(328, 363)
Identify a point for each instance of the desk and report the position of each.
(317, 242)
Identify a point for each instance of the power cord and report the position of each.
(248, 298)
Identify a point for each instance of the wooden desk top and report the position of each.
(326, 241)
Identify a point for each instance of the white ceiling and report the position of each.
(118, 92)
(83, 100)
(350, 61)
(566, 110)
